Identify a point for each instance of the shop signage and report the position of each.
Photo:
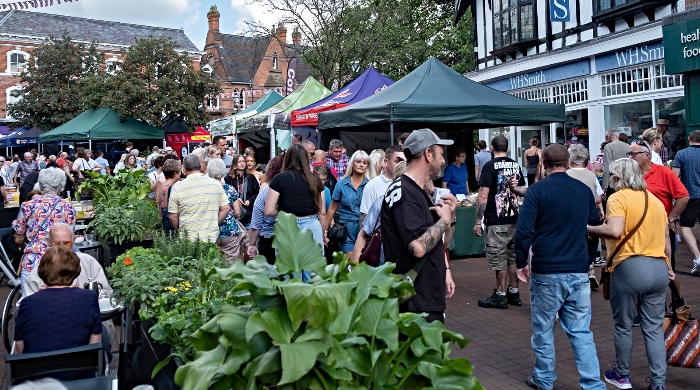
(530, 79)
(630, 56)
(559, 11)
(682, 44)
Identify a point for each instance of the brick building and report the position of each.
(246, 65)
(22, 31)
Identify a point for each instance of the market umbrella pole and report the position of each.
(391, 133)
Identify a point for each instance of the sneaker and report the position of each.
(599, 261)
(514, 298)
(495, 301)
(696, 267)
(637, 321)
(530, 381)
(651, 387)
(617, 380)
(593, 280)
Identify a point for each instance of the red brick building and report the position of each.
(22, 31)
(246, 65)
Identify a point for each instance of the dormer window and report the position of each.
(17, 61)
(207, 69)
(274, 60)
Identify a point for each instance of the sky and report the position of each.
(190, 15)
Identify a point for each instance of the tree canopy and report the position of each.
(341, 38)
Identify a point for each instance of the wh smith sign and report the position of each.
(530, 79)
(630, 56)
(559, 11)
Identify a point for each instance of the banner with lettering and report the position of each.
(291, 75)
(32, 4)
(559, 11)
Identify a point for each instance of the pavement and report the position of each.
(500, 348)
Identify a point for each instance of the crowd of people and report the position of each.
(625, 195)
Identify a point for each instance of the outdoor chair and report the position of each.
(27, 366)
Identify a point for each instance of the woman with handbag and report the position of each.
(245, 185)
(347, 197)
(639, 271)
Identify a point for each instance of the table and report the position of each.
(99, 383)
(110, 314)
(465, 242)
(84, 246)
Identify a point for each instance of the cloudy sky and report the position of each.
(190, 15)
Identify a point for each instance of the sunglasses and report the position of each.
(634, 154)
(63, 243)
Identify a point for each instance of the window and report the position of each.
(11, 99)
(207, 69)
(274, 63)
(672, 109)
(513, 22)
(113, 65)
(212, 103)
(629, 118)
(606, 5)
(16, 61)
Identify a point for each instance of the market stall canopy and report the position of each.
(307, 93)
(365, 85)
(226, 126)
(22, 136)
(101, 124)
(435, 93)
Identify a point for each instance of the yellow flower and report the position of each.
(171, 289)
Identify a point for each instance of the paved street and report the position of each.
(500, 348)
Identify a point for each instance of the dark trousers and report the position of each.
(265, 248)
(674, 244)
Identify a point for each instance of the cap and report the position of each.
(421, 139)
(663, 122)
(168, 149)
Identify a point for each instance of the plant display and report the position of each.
(122, 188)
(341, 330)
(143, 275)
(131, 221)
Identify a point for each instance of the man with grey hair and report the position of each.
(203, 157)
(336, 160)
(25, 167)
(155, 152)
(197, 204)
(613, 151)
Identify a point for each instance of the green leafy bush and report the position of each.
(133, 221)
(341, 330)
(122, 188)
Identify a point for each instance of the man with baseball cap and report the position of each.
(412, 226)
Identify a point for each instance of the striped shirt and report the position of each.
(197, 200)
(260, 221)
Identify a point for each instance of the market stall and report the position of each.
(19, 138)
(181, 142)
(227, 126)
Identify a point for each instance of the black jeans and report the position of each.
(265, 248)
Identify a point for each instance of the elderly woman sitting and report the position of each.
(73, 313)
(37, 216)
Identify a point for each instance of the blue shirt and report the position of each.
(480, 159)
(371, 219)
(104, 163)
(229, 227)
(258, 220)
(327, 197)
(688, 160)
(456, 178)
(349, 199)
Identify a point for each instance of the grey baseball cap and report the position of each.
(421, 139)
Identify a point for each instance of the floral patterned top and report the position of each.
(34, 220)
(229, 227)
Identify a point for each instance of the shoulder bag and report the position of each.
(681, 334)
(605, 277)
(371, 253)
(242, 195)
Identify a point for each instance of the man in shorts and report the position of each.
(497, 205)
(687, 166)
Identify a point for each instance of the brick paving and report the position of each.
(500, 348)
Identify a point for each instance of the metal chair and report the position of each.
(32, 365)
(10, 308)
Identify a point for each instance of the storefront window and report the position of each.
(673, 109)
(504, 131)
(575, 129)
(629, 118)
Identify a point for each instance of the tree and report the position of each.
(343, 37)
(155, 83)
(51, 88)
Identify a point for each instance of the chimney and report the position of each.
(296, 37)
(213, 35)
(281, 33)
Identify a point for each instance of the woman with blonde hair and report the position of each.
(347, 196)
(376, 164)
(654, 141)
(636, 230)
(213, 152)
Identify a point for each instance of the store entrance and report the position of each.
(525, 134)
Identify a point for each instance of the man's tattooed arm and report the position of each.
(426, 242)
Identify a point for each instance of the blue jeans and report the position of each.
(570, 296)
(314, 225)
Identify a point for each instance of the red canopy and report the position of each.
(310, 117)
(178, 140)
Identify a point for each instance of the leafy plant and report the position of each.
(132, 221)
(341, 330)
(122, 188)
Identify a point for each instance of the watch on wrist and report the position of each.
(672, 219)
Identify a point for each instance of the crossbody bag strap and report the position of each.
(245, 187)
(631, 233)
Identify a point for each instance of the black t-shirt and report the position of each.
(295, 193)
(502, 205)
(406, 216)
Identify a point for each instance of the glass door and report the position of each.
(525, 134)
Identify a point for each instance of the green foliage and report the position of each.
(142, 275)
(51, 91)
(134, 221)
(342, 330)
(125, 186)
(182, 246)
(154, 79)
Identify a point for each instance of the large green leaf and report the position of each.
(299, 358)
(198, 373)
(447, 378)
(275, 322)
(378, 319)
(319, 304)
(297, 250)
(232, 322)
(372, 280)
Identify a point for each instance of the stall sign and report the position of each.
(682, 45)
